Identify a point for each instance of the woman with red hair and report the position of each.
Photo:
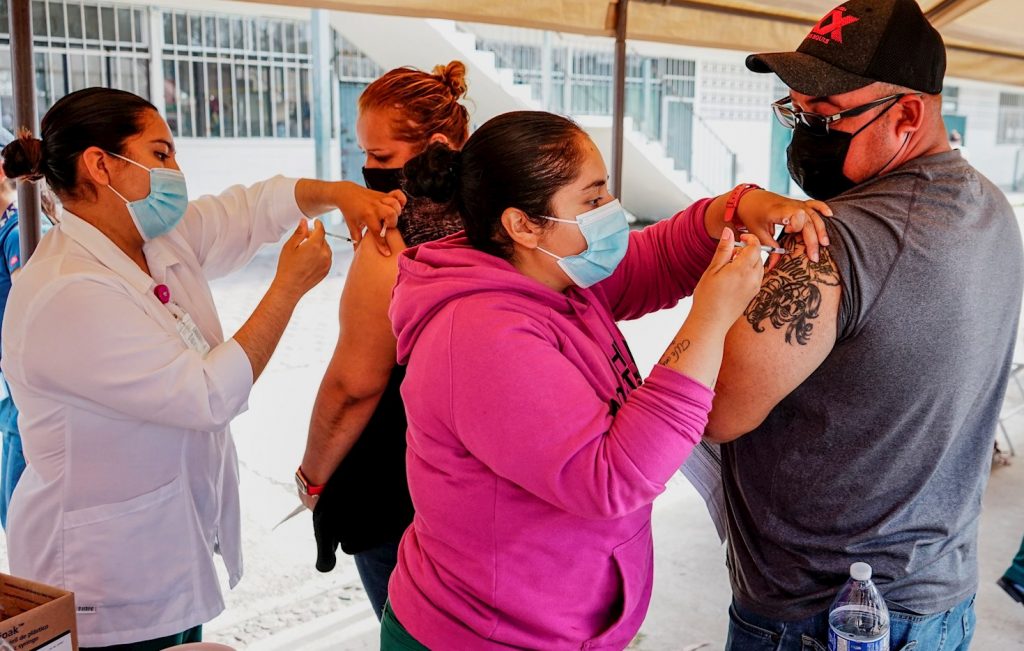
(353, 470)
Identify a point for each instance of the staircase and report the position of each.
(652, 186)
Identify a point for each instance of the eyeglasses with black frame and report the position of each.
(819, 124)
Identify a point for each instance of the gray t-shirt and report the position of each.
(883, 453)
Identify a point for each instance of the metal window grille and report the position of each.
(1010, 127)
(236, 77)
(77, 45)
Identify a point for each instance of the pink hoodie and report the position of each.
(535, 448)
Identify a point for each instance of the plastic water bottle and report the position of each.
(859, 618)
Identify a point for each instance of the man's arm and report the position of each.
(784, 335)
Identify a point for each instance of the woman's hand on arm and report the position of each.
(361, 367)
(362, 208)
(304, 262)
(760, 211)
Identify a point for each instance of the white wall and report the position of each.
(734, 104)
(213, 164)
(980, 103)
(752, 143)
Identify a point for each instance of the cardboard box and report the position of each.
(37, 617)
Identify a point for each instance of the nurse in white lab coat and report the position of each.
(124, 377)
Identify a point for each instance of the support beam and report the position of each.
(156, 62)
(321, 28)
(947, 11)
(546, 68)
(24, 117)
(619, 106)
(741, 9)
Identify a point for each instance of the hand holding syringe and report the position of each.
(310, 220)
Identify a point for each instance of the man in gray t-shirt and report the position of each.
(860, 391)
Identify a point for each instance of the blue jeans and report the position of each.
(375, 566)
(11, 466)
(948, 631)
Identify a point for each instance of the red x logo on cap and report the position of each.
(834, 28)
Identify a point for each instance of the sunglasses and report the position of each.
(819, 124)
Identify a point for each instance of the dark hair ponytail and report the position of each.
(92, 117)
(434, 174)
(23, 158)
(515, 160)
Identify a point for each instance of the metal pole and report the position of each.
(24, 117)
(156, 62)
(546, 65)
(570, 63)
(619, 109)
(650, 130)
(321, 27)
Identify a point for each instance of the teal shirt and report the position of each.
(10, 244)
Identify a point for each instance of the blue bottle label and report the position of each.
(839, 643)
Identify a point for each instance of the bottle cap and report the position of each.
(860, 571)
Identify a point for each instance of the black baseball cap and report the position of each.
(861, 42)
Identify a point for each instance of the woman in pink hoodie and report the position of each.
(535, 446)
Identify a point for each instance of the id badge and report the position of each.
(189, 331)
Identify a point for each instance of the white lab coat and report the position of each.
(132, 482)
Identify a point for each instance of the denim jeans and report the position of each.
(11, 466)
(375, 566)
(951, 630)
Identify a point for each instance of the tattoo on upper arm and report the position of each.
(790, 296)
(674, 351)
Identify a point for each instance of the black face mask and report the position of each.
(816, 162)
(383, 179)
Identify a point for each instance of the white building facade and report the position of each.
(234, 81)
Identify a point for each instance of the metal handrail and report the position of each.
(591, 94)
(1018, 171)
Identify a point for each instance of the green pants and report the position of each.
(393, 637)
(191, 635)
(1016, 571)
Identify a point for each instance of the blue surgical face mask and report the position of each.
(607, 233)
(160, 211)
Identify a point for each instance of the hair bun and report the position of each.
(434, 174)
(23, 158)
(453, 76)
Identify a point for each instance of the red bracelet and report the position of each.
(306, 488)
(733, 202)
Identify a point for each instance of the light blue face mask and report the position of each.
(160, 211)
(607, 233)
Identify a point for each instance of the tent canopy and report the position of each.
(983, 37)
